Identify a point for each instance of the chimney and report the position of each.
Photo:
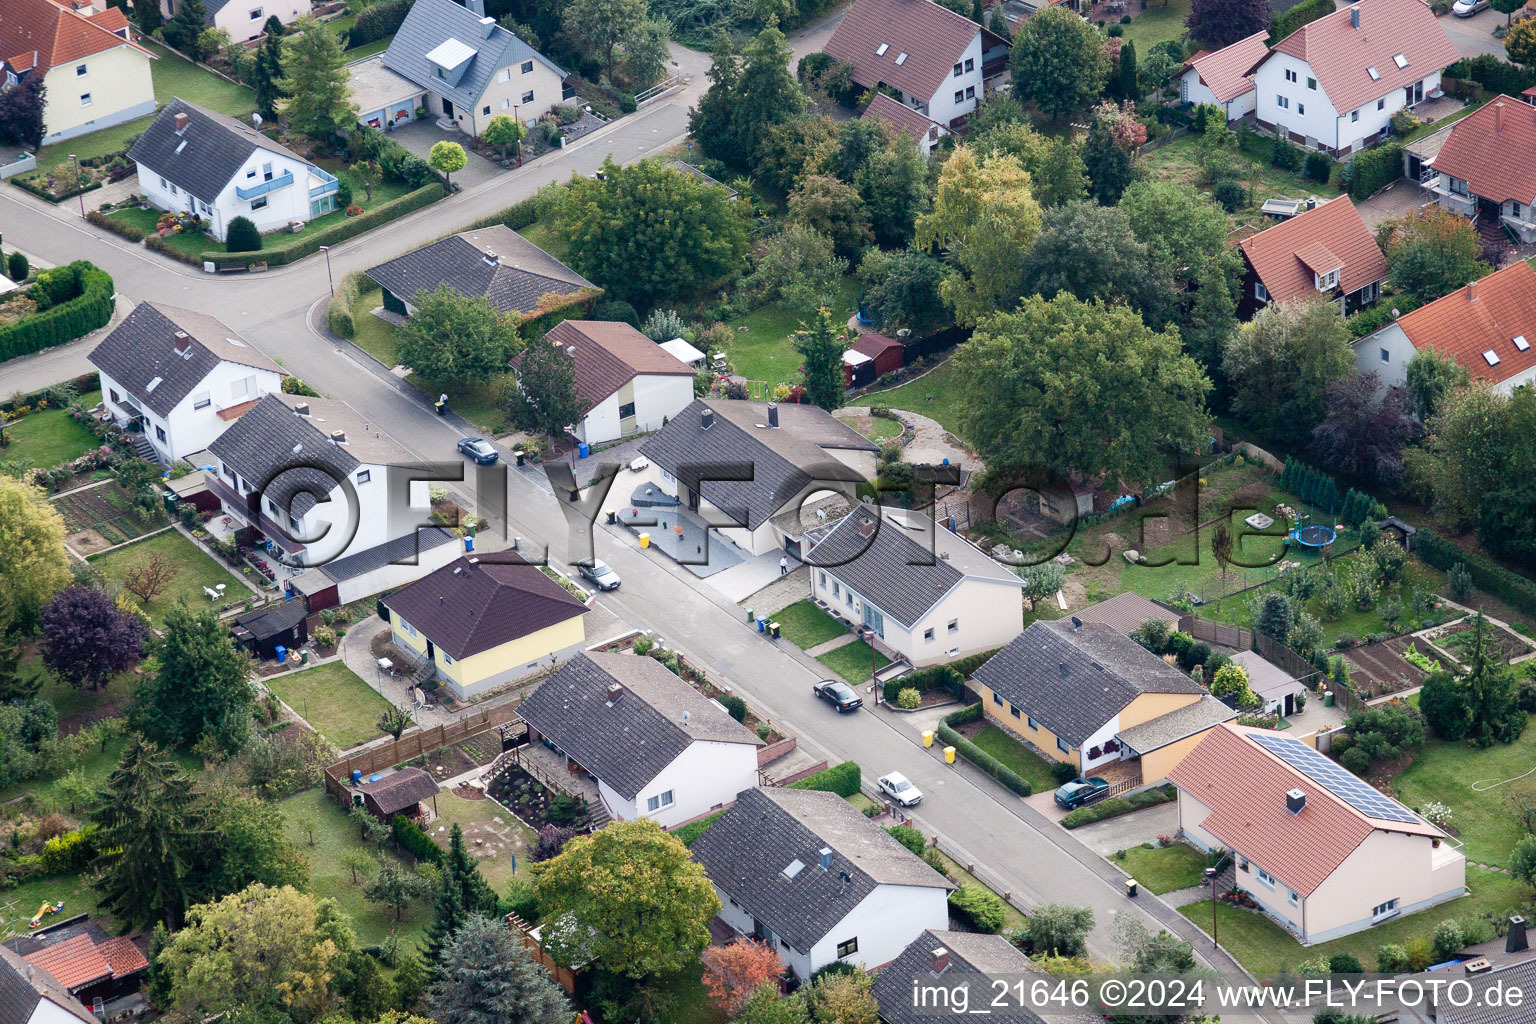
(1311, 202)
(338, 437)
(940, 961)
(706, 418)
(826, 858)
(615, 691)
(302, 409)
(1354, 15)
(1514, 939)
(183, 344)
(773, 414)
(1472, 292)
(1498, 117)
(490, 258)
(487, 27)
(1295, 800)
(476, 7)
(181, 120)
(866, 526)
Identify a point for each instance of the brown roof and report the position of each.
(1463, 329)
(80, 960)
(872, 344)
(933, 38)
(479, 602)
(41, 32)
(1279, 254)
(234, 412)
(904, 120)
(608, 355)
(1125, 612)
(399, 790)
(1494, 150)
(1245, 784)
(1339, 54)
(1226, 71)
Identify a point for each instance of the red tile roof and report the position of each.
(1244, 785)
(608, 355)
(1494, 150)
(43, 33)
(873, 344)
(1226, 71)
(1279, 254)
(80, 960)
(904, 119)
(1464, 329)
(1339, 54)
(933, 38)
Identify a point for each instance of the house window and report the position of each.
(1063, 746)
(1381, 104)
(202, 401)
(954, 625)
(503, 74)
(363, 476)
(959, 95)
(1264, 876)
(272, 506)
(266, 172)
(114, 396)
(1292, 898)
(160, 433)
(250, 173)
(260, 203)
(243, 386)
(506, 104)
(627, 411)
(958, 69)
(656, 803)
(928, 635)
(1514, 208)
(1282, 102)
(1290, 76)
(970, 64)
(409, 629)
(823, 580)
(1312, 83)
(528, 96)
(1030, 721)
(293, 525)
(485, 109)
(1260, 292)
(1013, 711)
(80, 71)
(164, 183)
(527, 67)
(1301, 108)
(447, 658)
(1386, 356)
(85, 99)
(1354, 115)
(1383, 910)
(997, 700)
(256, 14)
(847, 948)
(837, 589)
(970, 92)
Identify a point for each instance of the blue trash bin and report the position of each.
(583, 450)
(762, 624)
(469, 543)
(282, 653)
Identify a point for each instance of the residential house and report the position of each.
(1321, 851)
(179, 377)
(29, 995)
(494, 263)
(244, 21)
(1484, 167)
(1223, 78)
(807, 873)
(1326, 250)
(1125, 613)
(929, 595)
(658, 748)
(627, 384)
(1334, 84)
(465, 69)
(963, 969)
(904, 119)
(400, 792)
(485, 620)
(1484, 1000)
(197, 161)
(1488, 327)
(934, 60)
(1092, 697)
(376, 569)
(94, 74)
(745, 463)
(82, 958)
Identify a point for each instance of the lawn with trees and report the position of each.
(184, 568)
(333, 699)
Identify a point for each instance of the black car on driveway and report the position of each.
(478, 448)
(839, 694)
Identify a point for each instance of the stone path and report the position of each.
(831, 645)
(781, 593)
(932, 444)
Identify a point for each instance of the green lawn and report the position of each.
(806, 625)
(478, 820)
(147, 221)
(333, 699)
(1181, 159)
(936, 394)
(45, 439)
(195, 571)
(863, 803)
(68, 700)
(1161, 21)
(1446, 772)
(74, 890)
(763, 351)
(176, 77)
(1015, 756)
(98, 143)
(1265, 948)
(96, 767)
(852, 661)
(1163, 869)
(369, 49)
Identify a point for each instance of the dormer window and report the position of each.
(1401, 60)
(880, 50)
(1327, 282)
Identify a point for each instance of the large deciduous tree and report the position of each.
(1431, 379)
(1079, 389)
(201, 688)
(733, 973)
(828, 206)
(1365, 430)
(1281, 363)
(88, 639)
(1520, 43)
(904, 289)
(33, 560)
(486, 976)
(1432, 252)
(1180, 226)
(21, 110)
(799, 267)
(1109, 151)
(1058, 62)
(894, 186)
(1092, 252)
(545, 399)
(317, 85)
(1217, 23)
(603, 26)
(455, 339)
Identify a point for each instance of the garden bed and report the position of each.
(1381, 668)
(1455, 640)
(104, 516)
(531, 800)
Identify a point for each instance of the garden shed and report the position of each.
(870, 357)
(399, 792)
(263, 631)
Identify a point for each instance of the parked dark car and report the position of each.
(1080, 791)
(839, 694)
(599, 575)
(479, 449)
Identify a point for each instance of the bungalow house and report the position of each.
(626, 383)
(904, 119)
(1125, 613)
(965, 967)
(1326, 250)
(658, 748)
(1488, 327)
(244, 21)
(807, 873)
(1484, 167)
(1091, 697)
(1334, 84)
(82, 959)
(398, 793)
(179, 377)
(485, 620)
(928, 594)
(1223, 78)
(1322, 852)
(745, 463)
(494, 263)
(94, 74)
(464, 68)
(934, 60)
(196, 161)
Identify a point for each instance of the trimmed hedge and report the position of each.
(117, 227)
(338, 232)
(1374, 169)
(1303, 13)
(1118, 805)
(68, 320)
(843, 779)
(974, 754)
(909, 837)
(43, 193)
(1519, 592)
(378, 21)
(1493, 73)
(979, 907)
(338, 314)
(416, 842)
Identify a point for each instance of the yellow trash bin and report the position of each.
(927, 737)
(645, 540)
(949, 755)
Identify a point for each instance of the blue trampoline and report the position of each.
(1314, 536)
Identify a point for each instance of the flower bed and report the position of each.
(533, 802)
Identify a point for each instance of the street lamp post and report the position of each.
(868, 633)
(1210, 876)
(330, 280)
(81, 194)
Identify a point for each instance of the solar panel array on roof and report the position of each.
(1335, 779)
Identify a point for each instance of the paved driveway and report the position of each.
(1474, 35)
(419, 136)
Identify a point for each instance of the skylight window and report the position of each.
(880, 50)
(794, 868)
(901, 58)
(1491, 357)
(1521, 345)
(1375, 75)
(152, 385)
(1400, 60)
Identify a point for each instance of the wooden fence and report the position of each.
(415, 743)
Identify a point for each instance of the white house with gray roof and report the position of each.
(658, 748)
(806, 872)
(193, 160)
(929, 595)
(966, 967)
(180, 377)
(462, 66)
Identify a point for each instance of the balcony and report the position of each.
(261, 188)
(321, 183)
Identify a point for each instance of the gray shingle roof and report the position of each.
(399, 790)
(1127, 611)
(260, 447)
(973, 959)
(144, 347)
(430, 24)
(267, 622)
(521, 274)
(1074, 681)
(746, 853)
(782, 461)
(1519, 976)
(1178, 724)
(400, 551)
(215, 148)
(626, 744)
